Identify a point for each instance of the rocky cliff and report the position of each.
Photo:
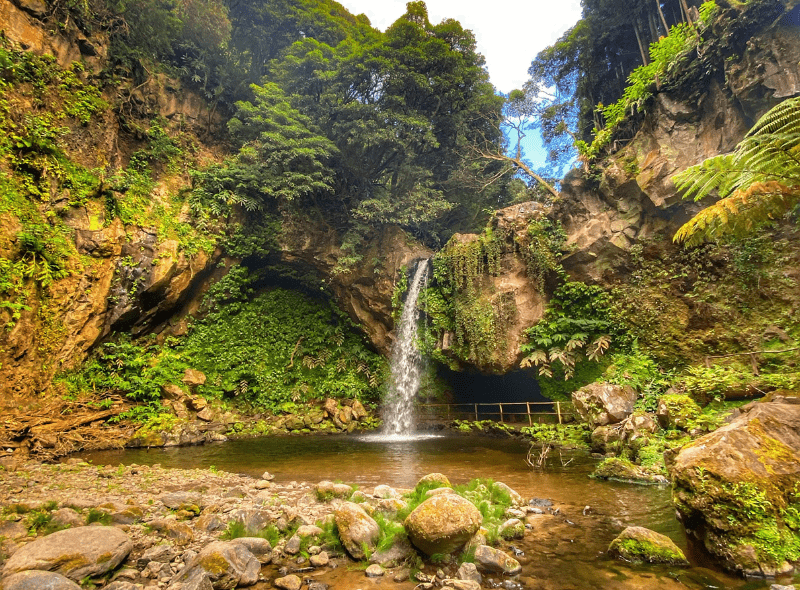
(619, 213)
(129, 258)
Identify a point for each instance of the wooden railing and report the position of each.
(519, 412)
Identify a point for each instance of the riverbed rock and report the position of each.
(319, 560)
(327, 490)
(512, 529)
(493, 560)
(607, 438)
(356, 529)
(437, 478)
(38, 580)
(65, 517)
(290, 582)
(180, 532)
(74, 553)
(736, 488)
(461, 584)
(260, 548)
(516, 499)
(374, 571)
(638, 428)
(618, 469)
(227, 565)
(197, 579)
(469, 571)
(385, 492)
(159, 553)
(604, 403)
(400, 552)
(676, 411)
(443, 524)
(639, 544)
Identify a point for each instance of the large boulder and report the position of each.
(600, 404)
(443, 523)
(639, 544)
(357, 529)
(74, 553)
(227, 565)
(38, 580)
(737, 489)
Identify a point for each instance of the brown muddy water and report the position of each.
(562, 552)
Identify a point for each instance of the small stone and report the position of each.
(292, 546)
(374, 571)
(290, 582)
(268, 476)
(320, 560)
(494, 560)
(461, 584)
(469, 571)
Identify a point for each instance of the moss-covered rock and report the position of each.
(357, 529)
(74, 553)
(618, 469)
(227, 565)
(677, 411)
(639, 544)
(738, 489)
(443, 523)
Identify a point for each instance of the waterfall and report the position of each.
(405, 362)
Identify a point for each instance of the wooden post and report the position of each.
(476, 412)
(501, 412)
(530, 422)
(558, 411)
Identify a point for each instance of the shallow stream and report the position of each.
(563, 552)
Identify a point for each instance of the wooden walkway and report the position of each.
(507, 412)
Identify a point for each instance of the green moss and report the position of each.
(214, 564)
(642, 550)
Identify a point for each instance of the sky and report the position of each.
(509, 32)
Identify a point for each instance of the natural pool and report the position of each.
(563, 552)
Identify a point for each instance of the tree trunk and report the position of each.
(645, 61)
(663, 20)
(686, 13)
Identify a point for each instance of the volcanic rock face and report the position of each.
(737, 488)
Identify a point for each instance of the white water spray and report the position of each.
(405, 363)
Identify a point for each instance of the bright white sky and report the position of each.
(509, 32)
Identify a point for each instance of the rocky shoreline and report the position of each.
(135, 527)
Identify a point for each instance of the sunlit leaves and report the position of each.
(758, 182)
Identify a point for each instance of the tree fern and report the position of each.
(758, 182)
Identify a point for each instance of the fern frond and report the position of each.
(783, 118)
(758, 182)
(740, 213)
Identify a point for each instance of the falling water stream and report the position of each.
(405, 363)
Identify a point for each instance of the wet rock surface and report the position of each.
(735, 488)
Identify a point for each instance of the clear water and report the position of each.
(565, 552)
(405, 363)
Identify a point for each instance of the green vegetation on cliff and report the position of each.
(275, 348)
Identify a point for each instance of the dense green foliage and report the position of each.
(577, 323)
(276, 348)
(588, 88)
(460, 299)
